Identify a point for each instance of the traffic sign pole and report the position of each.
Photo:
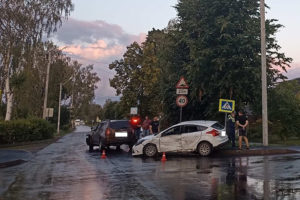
(181, 89)
(180, 118)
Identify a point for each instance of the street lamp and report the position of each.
(59, 103)
(264, 74)
(46, 85)
(47, 81)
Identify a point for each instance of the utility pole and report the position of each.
(59, 105)
(264, 74)
(46, 86)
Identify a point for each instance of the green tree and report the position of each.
(23, 23)
(284, 109)
(112, 110)
(220, 40)
(138, 75)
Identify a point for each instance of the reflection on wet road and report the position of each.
(66, 170)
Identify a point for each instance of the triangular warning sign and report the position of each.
(226, 106)
(182, 84)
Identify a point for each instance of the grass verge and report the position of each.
(35, 146)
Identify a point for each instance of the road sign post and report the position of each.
(133, 110)
(226, 106)
(181, 90)
(181, 101)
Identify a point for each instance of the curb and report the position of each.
(254, 152)
(10, 157)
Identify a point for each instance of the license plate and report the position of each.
(121, 134)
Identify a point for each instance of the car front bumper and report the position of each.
(137, 150)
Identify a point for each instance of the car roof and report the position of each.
(198, 122)
(122, 120)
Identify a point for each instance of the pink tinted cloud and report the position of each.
(294, 71)
(140, 38)
(94, 51)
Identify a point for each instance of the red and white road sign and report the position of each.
(181, 101)
(182, 84)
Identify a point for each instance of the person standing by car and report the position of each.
(154, 126)
(230, 128)
(146, 126)
(242, 123)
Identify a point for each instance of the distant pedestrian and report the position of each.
(242, 123)
(146, 126)
(154, 127)
(230, 128)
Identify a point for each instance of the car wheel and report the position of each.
(150, 150)
(204, 148)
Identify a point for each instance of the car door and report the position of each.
(170, 140)
(191, 136)
(96, 134)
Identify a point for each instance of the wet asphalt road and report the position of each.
(66, 170)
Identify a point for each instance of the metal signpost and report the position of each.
(226, 106)
(133, 110)
(49, 112)
(181, 90)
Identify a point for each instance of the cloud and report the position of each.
(74, 31)
(294, 71)
(95, 51)
(98, 43)
(95, 40)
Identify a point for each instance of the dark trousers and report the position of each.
(231, 136)
(137, 132)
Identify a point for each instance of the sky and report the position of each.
(98, 31)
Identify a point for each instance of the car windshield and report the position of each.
(119, 124)
(217, 126)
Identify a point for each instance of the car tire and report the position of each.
(150, 150)
(204, 148)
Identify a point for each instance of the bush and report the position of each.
(23, 130)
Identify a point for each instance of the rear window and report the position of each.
(218, 126)
(119, 125)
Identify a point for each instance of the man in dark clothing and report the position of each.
(242, 123)
(230, 128)
(154, 126)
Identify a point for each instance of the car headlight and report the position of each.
(140, 141)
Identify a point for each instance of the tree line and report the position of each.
(215, 45)
(25, 52)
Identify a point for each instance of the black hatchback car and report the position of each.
(111, 133)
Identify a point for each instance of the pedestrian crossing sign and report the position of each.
(226, 105)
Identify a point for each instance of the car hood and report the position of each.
(149, 137)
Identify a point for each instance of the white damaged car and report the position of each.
(198, 136)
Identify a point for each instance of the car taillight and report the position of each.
(107, 132)
(213, 132)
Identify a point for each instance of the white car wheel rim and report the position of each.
(150, 151)
(204, 149)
